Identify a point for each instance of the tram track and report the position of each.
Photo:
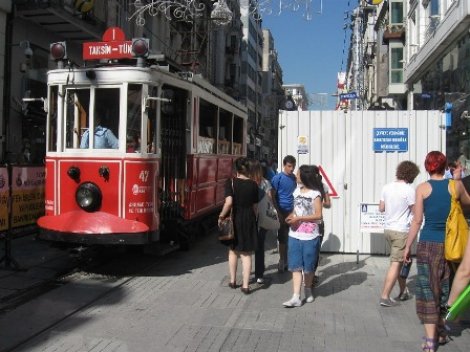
(90, 263)
(120, 268)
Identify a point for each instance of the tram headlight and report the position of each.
(88, 197)
(140, 47)
(58, 51)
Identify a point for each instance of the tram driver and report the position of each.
(104, 137)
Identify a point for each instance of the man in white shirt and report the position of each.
(397, 201)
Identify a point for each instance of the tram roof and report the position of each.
(108, 75)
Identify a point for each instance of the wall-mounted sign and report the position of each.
(302, 145)
(348, 96)
(390, 140)
(372, 220)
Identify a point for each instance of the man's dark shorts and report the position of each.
(283, 232)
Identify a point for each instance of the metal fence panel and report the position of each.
(342, 143)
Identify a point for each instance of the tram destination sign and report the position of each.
(107, 50)
(390, 139)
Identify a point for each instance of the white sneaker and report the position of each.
(293, 302)
(260, 281)
(308, 295)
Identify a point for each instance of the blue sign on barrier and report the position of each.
(390, 140)
(345, 96)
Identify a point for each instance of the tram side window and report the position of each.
(207, 127)
(134, 118)
(77, 112)
(224, 140)
(237, 135)
(52, 142)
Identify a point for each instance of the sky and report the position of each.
(311, 52)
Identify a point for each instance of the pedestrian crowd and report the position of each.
(259, 200)
(426, 211)
(257, 191)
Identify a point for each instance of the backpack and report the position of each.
(456, 229)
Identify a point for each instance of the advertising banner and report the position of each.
(27, 195)
(4, 189)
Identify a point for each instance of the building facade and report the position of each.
(199, 45)
(251, 75)
(296, 94)
(414, 55)
(272, 97)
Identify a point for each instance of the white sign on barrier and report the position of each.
(372, 220)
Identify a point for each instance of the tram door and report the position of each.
(173, 143)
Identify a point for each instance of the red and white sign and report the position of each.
(332, 191)
(113, 46)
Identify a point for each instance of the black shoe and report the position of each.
(245, 290)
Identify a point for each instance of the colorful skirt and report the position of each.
(432, 282)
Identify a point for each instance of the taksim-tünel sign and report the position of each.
(113, 46)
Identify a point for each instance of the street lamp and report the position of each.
(181, 10)
(221, 14)
(188, 10)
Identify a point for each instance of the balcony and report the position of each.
(59, 16)
(394, 32)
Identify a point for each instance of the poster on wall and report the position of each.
(302, 145)
(27, 195)
(3, 199)
(372, 220)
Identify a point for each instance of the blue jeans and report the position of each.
(259, 253)
(302, 255)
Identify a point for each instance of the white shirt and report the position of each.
(303, 206)
(398, 198)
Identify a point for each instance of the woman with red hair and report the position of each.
(432, 282)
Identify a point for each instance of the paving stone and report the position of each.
(184, 304)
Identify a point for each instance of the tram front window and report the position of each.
(134, 118)
(77, 113)
(104, 118)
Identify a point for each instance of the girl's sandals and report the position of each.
(429, 344)
(442, 336)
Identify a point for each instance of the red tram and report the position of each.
(175, 139)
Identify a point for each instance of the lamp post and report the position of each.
(188, 10)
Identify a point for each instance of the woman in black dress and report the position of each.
(241, 196)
